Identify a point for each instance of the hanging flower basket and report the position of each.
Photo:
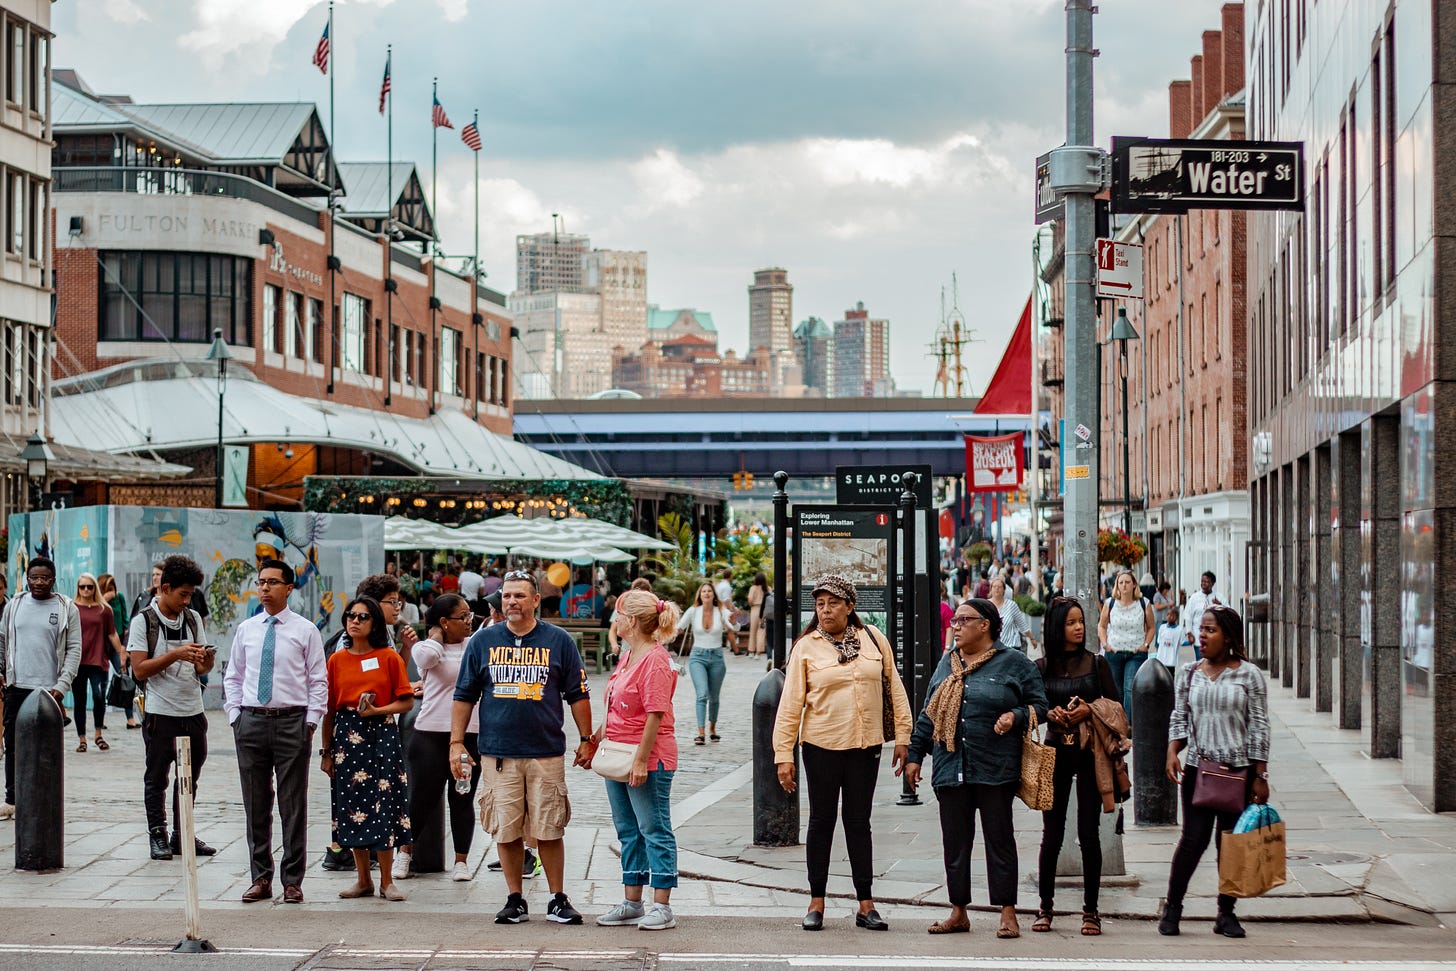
(1115, 546)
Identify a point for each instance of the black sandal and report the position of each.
(1091, 924)
(715, 738)
(1043, 922)
(699, 741)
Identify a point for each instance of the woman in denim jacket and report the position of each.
(973, 724)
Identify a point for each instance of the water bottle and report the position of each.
(462, 786)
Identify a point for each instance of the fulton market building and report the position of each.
(354, 351)
(1352, 378)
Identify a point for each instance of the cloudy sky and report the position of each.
(872, 147)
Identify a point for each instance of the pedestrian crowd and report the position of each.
(476, 714)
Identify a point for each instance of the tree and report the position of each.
(678, 576)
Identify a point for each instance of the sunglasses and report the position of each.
(520, 575)
(358, 615)
(85, 586)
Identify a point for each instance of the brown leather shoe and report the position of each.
(292, 893)
(261, 889)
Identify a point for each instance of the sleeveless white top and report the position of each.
(1125, 631)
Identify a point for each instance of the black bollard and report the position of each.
(40, 836)
(775, 812)
(1154, 798)
(908, 512)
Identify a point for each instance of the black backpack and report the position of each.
(191, 623)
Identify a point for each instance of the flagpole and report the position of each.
(434, 243)
(389, 221)
(333, 336)
(475, 271)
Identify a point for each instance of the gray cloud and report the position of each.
(828, 136)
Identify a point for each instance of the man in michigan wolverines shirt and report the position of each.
(520, 672)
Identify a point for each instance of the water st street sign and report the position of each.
(1176, 175)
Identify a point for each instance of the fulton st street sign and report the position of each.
(1175, 175)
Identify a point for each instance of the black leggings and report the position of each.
(95, 676)
(827, 774)
(429, 769)
(1073, 764)
(1199, 826)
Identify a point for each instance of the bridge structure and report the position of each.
(675, 438)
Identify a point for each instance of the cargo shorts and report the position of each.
(524, 799)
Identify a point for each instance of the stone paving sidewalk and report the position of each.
(1361, 847)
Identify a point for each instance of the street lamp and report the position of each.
(1122, 332)
(36, 455)
(219, 352)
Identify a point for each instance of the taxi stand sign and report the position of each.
(1119, 269)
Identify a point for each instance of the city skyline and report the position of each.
(871, 186)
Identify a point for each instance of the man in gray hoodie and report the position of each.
(40, 650)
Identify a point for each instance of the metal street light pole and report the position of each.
(1076, 173)
(1122, 332)
(37, 456)
(220, 353)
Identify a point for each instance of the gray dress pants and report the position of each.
(274, 747)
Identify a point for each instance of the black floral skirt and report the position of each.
(370, 791)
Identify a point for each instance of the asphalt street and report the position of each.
(278, 939)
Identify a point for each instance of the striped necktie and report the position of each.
(265, 663)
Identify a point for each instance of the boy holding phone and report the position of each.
(168, 650)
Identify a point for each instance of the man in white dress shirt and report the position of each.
(1198, 602)
(276, 690)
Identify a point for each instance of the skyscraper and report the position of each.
(861, 367)
(814, 349)
(551, 261)
(771, 316)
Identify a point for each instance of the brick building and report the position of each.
(176, 221)
(690, 366)
(1186, 373)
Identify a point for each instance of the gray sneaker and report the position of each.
(627, 912)
(658, 918)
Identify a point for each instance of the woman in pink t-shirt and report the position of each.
(639, 712)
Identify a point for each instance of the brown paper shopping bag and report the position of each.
(1251, 864)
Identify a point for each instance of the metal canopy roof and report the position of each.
(260, 132)
(367, 187)
(151, 405)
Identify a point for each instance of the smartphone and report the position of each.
(209, 648)
(367, 698)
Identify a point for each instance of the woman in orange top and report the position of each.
(833, 706)
(361, 750)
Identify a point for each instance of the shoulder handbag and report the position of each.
(613, 760)
(1218, 787)
(1038, 767)
(887, 699)
(122, 691)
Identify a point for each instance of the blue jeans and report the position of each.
(643, 816)
(707, 668)
(1125, 666)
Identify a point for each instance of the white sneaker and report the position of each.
(402, 859)
(7, 811)
(659, 917)
(627, 912)
(461, 872)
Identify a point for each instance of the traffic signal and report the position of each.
(742, 481)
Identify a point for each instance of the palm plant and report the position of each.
(678, 575)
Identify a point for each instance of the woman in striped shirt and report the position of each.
(1221, 713)
(1015, 628)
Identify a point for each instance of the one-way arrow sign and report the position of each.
(1175, 175)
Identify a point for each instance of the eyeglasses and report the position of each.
(272, 582)
(462, 619)
(962, 621)
(396, 603)
(360, 616)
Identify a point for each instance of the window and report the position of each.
(1218, 320)
(37, 220)
(35, 366)
(397, 353)
(15, 77)
(405, 348)
(356, 317)
(422, 360)
(16, 391)
(270, 317)
(505, 389)
(449, 360)
(176, 297)
(312, 332)
(294, 328)
(1342, 308)
(1388, 133)
(39, 56)
(15, 213)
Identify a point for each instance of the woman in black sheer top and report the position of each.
(1071, 671)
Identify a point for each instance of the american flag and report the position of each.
(438, 116)
(384, 88)
(321, 52)
(470, 135)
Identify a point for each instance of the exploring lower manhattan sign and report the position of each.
(1175, 175)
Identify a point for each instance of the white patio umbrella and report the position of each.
(403, 533)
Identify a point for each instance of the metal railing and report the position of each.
(180, 182)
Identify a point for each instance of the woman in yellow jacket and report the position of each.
(833, 708)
